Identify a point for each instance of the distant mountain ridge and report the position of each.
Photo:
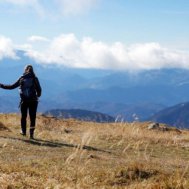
(177, 115)
(111, 92)
(79, 114)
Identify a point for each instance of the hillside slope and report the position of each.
(75, 154)
(83, 115)
(177, 115)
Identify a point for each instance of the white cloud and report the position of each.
(7, 48)
(36, 38)
(31, 4)
(69, 51)
(57, 7)
(21, 2)
(74, 7)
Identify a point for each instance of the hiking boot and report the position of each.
(23, 134)
(31, 137)
(31, 133)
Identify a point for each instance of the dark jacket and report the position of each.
(19, 83)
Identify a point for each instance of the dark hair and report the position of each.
(29, 69)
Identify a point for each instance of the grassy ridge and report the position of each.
(75, 154)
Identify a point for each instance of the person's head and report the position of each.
(29, 69)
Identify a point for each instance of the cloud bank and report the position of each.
(67, 50)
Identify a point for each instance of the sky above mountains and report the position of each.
(102, 34)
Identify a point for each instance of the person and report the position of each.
(30, 91)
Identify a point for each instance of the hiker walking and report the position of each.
(30, 90)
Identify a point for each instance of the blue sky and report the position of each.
(105, 34)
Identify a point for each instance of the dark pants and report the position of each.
(32, 107)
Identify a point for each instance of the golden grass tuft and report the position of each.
(3, 127)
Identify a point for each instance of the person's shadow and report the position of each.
(40, 142)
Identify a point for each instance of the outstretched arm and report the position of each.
(13, 86)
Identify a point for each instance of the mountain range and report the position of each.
(128, 95)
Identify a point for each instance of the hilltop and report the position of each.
(83, 115)
(76, 154)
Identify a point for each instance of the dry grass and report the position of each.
(75, 154)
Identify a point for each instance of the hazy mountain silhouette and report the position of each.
(177, 115)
